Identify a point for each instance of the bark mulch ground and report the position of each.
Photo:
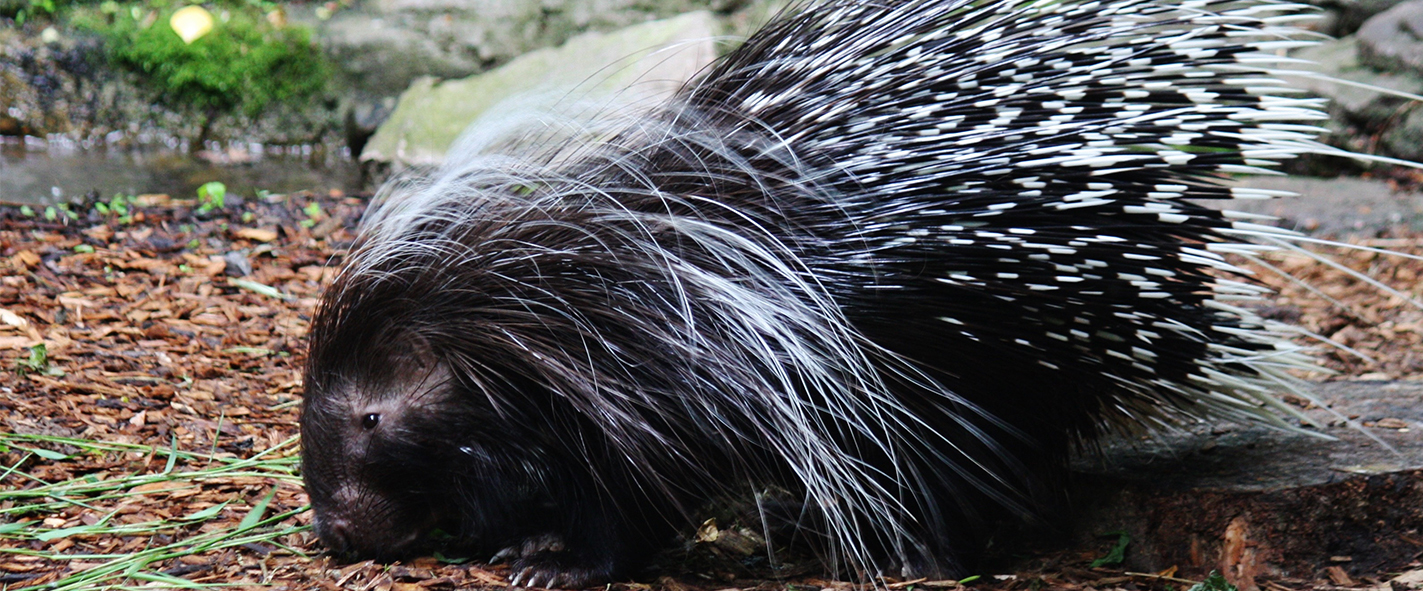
(152, 354)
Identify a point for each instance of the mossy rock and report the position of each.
(652, 58)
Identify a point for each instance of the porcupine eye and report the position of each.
(370, 421)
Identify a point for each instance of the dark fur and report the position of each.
(521, 367)
(567, 353)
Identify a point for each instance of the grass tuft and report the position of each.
(125, 524)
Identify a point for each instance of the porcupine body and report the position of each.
(896, 257)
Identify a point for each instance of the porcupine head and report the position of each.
(443, 395)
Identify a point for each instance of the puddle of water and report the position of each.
(34, 173)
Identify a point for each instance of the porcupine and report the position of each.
(897, 257)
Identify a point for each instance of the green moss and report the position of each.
(25, 10)
(240, 67)
(44, 11)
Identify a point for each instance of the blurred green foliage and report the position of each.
(25, 10)
(250, 59)
(241, 66)
(20, 10)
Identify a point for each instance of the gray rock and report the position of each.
(657, 56)
(1254, 502)
(1393, 40)
(1346, 16)
(1367, 113)
(1346, 80)
(1405, 137)
(65, 90)
(380, 59)
(1337, 206)
(384, 45)
(1257, 457)
(362, 119)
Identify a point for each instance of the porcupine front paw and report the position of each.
(545, 561)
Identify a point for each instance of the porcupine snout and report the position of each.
(368, 528)
(373, 445)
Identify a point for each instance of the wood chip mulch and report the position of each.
(1382, 330)
(178, 330)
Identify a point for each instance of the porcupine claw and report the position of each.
(552, 571)
(541, 561)
(529, 547)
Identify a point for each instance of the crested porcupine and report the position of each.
(896, 257)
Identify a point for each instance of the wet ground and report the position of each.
(34, 172)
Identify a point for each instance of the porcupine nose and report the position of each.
(336, 533)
